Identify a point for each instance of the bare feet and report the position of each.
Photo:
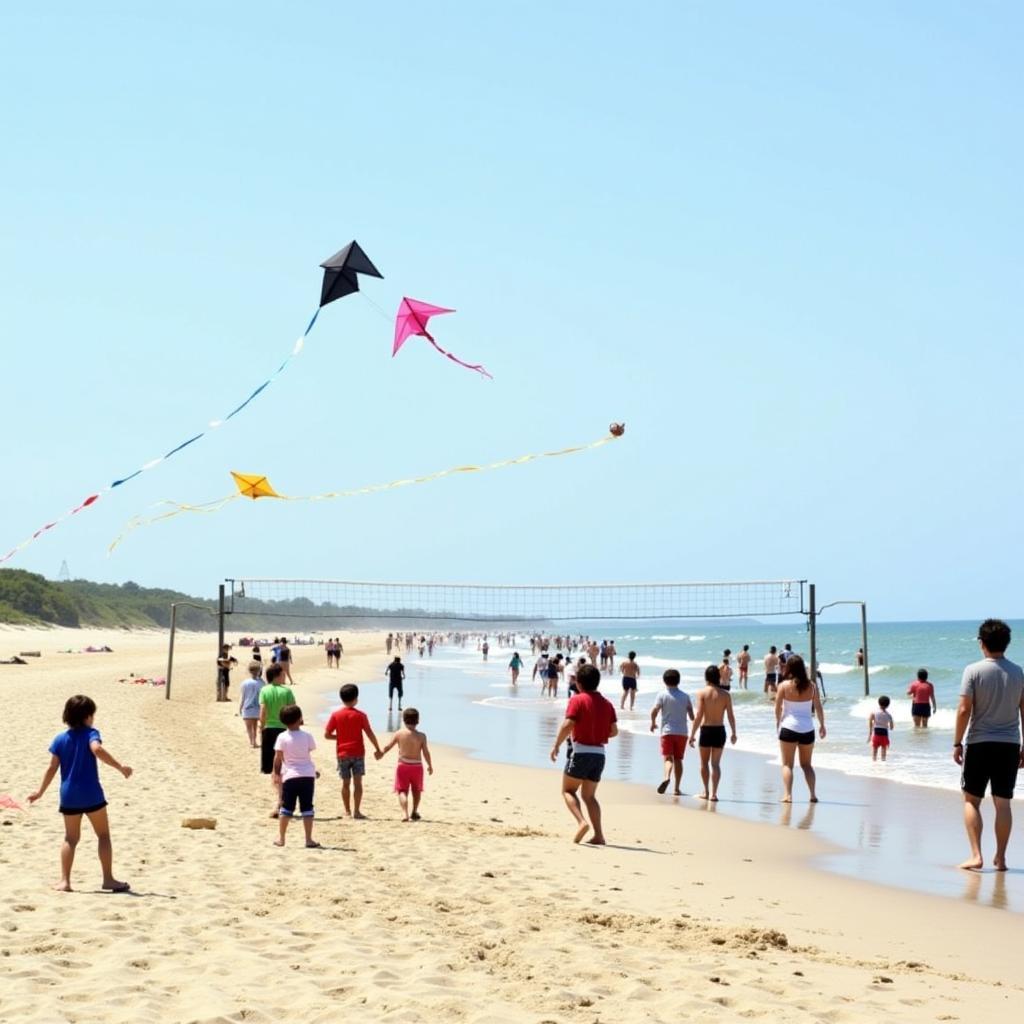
(313, 845)
(279, 842)
(677, 792)
(814, 799)
(415, 816)
(999, 864)
(113, 885)
(63, 886)
(972, 864)
(359, 816)
(714, 799)
(786, 800)
(662, 786)
(702, 796)
(596, 841)
(581, 832)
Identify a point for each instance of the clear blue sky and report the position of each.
(781, 241)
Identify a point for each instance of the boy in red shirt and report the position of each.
(591, 720)
(347, 725)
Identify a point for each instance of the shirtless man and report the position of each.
(771, 670)
(743, 660)
(725, 670)
(714, 705)
(592, 653)
(611, 652)
(630, 674)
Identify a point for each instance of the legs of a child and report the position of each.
(346, 796)
(416, 794)
(570, 788)
(72, 833)
(403, 802)
(677, 770)
(283, 821)
(251, 725)
(307, 825)
(357, 796)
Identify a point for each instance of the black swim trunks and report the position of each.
(267, 741)
(803, 738)
(587, 767)
(995, 763)
(394, 688)
(628, 683)
(712, 736)
(921, 710)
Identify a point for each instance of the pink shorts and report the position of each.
(408, 776)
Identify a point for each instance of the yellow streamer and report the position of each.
(265, 490)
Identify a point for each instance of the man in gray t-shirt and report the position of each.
(989, 714)
(676, 711)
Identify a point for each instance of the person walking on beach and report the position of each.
(922, 696)
(346, 727)
(284, 659)
(249, 702)
(515, 667)
(395, 673)
(771, 670)
(389, 642)
(675, 708)
(590, 721)
(989, 715)
(75, 753)
(273, 697)
(796, 703)
(412, 752)
(714, 705)
(743, 661)
(295, 774)
(630, 675)
(880, 724)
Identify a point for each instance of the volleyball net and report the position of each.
(309, 602)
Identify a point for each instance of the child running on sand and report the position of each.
(675, 707)
(879, 725)
(412, 752)
(295, 773)
(75, 752)
(347, 726)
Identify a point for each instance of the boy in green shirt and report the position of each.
(273, 697)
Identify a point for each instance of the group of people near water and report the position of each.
(987, 737)
(987, 745)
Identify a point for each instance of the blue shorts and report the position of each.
(349, 766)
(587, 767)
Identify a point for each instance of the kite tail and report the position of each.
(212, 425)
(176, 508)
(455, 359)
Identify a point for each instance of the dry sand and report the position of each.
(483, 912)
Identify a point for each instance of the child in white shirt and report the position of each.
(295, 773)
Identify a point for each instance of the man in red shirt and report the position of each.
(922, 695)
(591, 721)
(347, 726)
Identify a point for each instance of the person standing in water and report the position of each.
(743, 661)
(630, 675)
(922, 695)
(714, 705)
(796, 704)
(771, 670)
(515, 667)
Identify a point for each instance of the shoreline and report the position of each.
(484, 912)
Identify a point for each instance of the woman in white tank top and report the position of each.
(796, 705)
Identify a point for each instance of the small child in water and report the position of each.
(75, 753)
(880, 723)
(412, 752)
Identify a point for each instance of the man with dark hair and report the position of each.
(591, 721)
(273, 697)
(990, 711)
(395, 673)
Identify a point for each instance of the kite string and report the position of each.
(176, 508)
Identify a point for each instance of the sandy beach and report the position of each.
(482, 912)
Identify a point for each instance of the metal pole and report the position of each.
(170, 652)
(220, 631)
(864, 645)
(813, 625)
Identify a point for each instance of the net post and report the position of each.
(170, 651)
(220, 631)
(812, 625)
(864, 645)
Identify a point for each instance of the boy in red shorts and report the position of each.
(347, 726)
(880, 724)
(412, 752)
(676, 712)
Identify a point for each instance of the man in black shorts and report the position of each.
(395, 673)
(590, 719)
(990, 712)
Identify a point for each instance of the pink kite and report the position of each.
(412, 319)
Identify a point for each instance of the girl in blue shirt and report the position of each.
(75, 753)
